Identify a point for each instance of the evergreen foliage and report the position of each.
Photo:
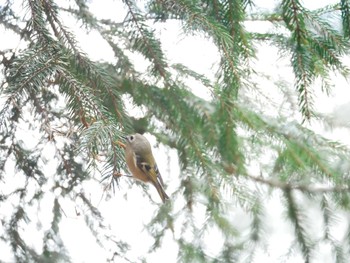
(74, 109)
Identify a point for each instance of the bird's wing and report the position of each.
(150, 171)
(153, 174)
(159, 176)
(142, 164)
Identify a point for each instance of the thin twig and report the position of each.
(302, 187)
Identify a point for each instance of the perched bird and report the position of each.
(141, 163)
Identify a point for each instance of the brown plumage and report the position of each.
(141, 163)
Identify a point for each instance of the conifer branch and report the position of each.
(52, 88)
(307, 188)
(297, 218)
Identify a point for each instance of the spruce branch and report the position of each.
(218, 140)
(151, 44)
(345, 14)
(307, 188)
(298, 218)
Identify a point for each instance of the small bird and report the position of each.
(141, 163)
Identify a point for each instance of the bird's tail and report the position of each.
(161, 191)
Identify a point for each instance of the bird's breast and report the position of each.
(136, 172)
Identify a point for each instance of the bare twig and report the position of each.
(302, 187)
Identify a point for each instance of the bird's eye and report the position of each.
(131, 138)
